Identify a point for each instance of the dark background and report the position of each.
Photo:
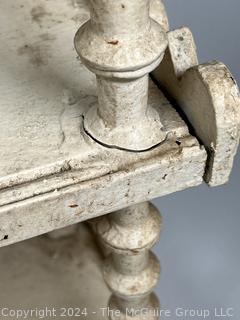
(200, 242)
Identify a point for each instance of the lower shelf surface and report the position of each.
(53, 278)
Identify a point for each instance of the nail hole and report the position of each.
(178, 142)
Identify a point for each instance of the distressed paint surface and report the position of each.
(65, 160)
(45, 101)
(121, 44)
(179, 168)
(209, 97)
(131, 271)
(51, 174)
(40, 268)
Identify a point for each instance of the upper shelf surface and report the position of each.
(51, 174)
(44, 89)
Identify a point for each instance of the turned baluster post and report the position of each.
(131, 270)
(121, 44)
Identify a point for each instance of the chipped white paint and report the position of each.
(209, 97)
(174, 167)
(121, 44)
(131, 271)
(182, 50)
(54, 174)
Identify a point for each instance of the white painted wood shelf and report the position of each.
(52, 175)
(75, 147)
(65, 278)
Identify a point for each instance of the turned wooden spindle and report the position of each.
(121, 44)
(131, 271)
